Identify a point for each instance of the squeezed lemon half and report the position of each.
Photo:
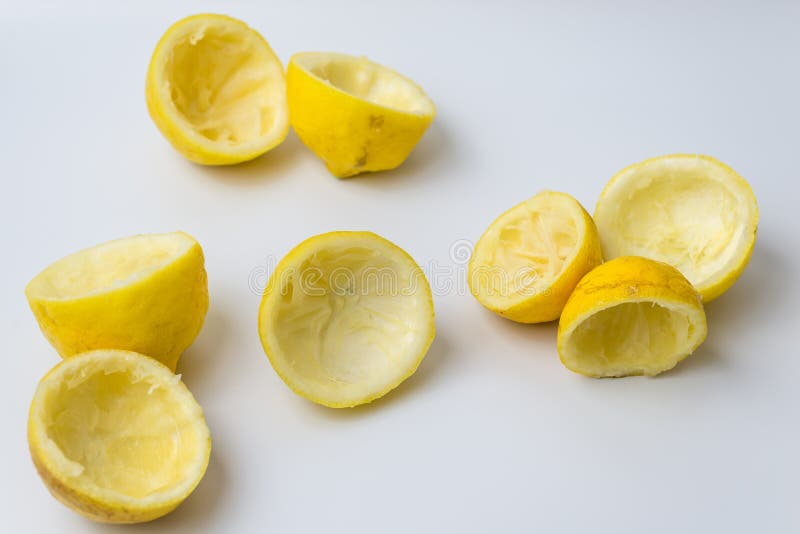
(216, 90)
(147, 293)
(690, 211)
(526, 264)
(354, 114)
(346, 317)
(630, 316)
(117, 437)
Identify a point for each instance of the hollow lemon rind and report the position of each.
(724, 278)
(132, 316)
(546, 305)
(180, 132)
(631, 279)
(95, 503)
(269, 343)
(349, 134)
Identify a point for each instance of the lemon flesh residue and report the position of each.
(367, 80)
(108, 266)
(221, 83)
(631, 338)
(539, 237)
(128, 435)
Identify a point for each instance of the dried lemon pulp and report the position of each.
(346, 317)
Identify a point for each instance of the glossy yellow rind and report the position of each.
(353, 134)
(158, 312)
(414, 300)
(632, 279)
(111, 505)
(179, 130)
(704, 218)
(552, 293)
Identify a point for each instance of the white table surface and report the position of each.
(492, 434)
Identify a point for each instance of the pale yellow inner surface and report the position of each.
(631, 338)
(122, 432)
(109, 265)
(367, 80)
(676, 215)
(226, 83)
(351, 316)
(526, 248)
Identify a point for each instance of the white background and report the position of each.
(492, 434)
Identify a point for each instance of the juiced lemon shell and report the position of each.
(691, 211)
(217, 91)
(530, 258)
(117, 437)
(630, 316)
(346, 317)
(147, 293)
(356, 115)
